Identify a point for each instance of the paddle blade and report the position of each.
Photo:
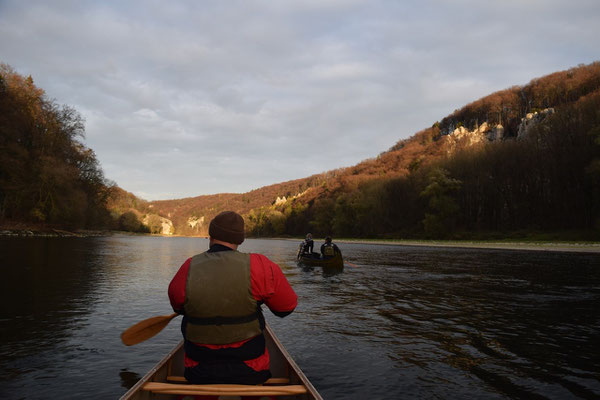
(145, 329)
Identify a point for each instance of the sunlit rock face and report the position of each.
(531, 120)
(194, 222)
(462, 138)
(165, 225)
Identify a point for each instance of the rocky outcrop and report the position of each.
(282, 200)
(495, 133)
(158, 225)
(195, 222)
(531, 120)
(461, 137)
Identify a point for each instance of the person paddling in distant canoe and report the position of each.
(220, 292)
(308, 244)
(329, 249)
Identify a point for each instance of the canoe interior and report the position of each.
(282, 366)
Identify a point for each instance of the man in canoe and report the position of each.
(308, 244)
(220, 292)
(329, 249)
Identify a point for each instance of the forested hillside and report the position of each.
(522, 160)
(47, 176)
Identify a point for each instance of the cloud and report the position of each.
(187, 98)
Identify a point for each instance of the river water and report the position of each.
(401, 322)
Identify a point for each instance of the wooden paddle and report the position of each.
(145, 329)
(351, 264)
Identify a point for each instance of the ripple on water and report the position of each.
(407, 322)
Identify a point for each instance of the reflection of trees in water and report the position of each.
(48, 285)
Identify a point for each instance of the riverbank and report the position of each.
(16, 229)
(50, 233)
(576, 247)
(579, 247)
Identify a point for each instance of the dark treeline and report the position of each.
(47, 176)
(547, 181)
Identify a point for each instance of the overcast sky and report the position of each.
(183, 98)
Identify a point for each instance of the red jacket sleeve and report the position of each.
(270, 285)
(177, 287)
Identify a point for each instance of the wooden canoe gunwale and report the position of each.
(161, 365)
(295, 369)
(282, 366)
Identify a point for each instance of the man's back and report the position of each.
(219, 292)
(329, 249)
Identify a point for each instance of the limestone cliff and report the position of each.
(158, 225)
(532, 119)
(462, 138)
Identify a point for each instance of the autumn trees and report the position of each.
(507, 107)
(46, 174)
(545, 181)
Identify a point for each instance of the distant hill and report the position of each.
(521, 161)
(524, 159)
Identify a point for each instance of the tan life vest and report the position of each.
(219, 306)
(328, 250)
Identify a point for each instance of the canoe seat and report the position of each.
(223, 389)
(271, 381)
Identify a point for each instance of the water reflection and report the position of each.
(403, 322)
(36, 294)
(463, 323)
(325, 271)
